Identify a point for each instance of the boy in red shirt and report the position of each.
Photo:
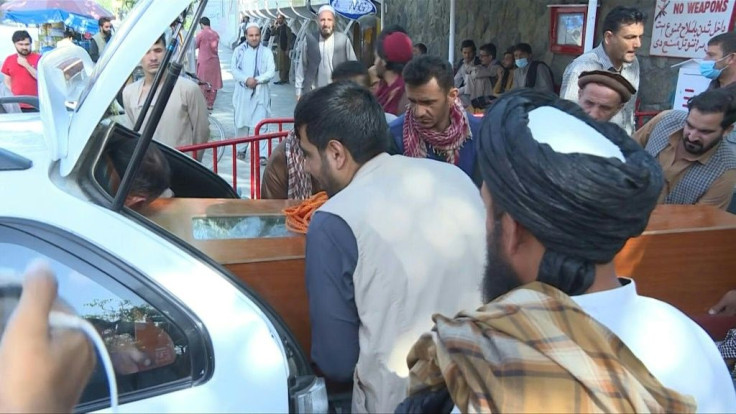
(20, 69)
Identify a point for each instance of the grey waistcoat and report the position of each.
(314, 57)
(699, 177)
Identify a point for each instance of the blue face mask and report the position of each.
(520, 63)
(708, 69)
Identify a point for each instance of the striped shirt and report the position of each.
(597, 59)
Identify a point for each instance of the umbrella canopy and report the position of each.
(81, 15)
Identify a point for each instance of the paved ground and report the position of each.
(283, 101)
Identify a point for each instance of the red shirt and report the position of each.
(21, 81)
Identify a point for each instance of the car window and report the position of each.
(147, 349)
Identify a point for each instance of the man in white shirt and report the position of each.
(545, 227)
(253, 67)
(321, 53)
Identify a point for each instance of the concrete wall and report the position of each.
(506, 22)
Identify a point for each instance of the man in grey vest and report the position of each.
(99, 41)
(321, 53)
(698, 168)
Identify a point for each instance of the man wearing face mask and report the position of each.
(698, 168)
(719, 64)
(533, 74)
(623, 30)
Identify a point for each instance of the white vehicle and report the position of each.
(184, 334)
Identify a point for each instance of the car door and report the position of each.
(157, 344)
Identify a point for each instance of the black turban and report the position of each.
(581, 207)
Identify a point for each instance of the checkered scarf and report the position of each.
(446, 143)
(300, 183)
(535, 350)
(728, 346)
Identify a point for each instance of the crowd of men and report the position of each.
(466, 263)
(367, 258)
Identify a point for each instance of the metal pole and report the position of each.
(383, 11)
(451, 46)
(590, 25)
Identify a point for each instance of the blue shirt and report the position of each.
(468, 158)
(330, 261)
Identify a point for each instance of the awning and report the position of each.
(83, 24)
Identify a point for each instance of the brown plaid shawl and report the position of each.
(535, 350)
(300, 182)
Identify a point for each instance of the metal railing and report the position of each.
(218, 148)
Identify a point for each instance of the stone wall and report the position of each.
(506, 22)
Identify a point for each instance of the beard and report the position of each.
(24, 52)
(697, 148)
(326, 31)
(327, 181)
(500, 277)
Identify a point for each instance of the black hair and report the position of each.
(715, 101)
(19, 35)
(345, 112)
(154, 174)
(103, 20)
(422, 47)
(621, 16)
(468, 43)
(727, 42)
(204, 21)
(69, 32)
(351, 69)
(422, 69)
(489, 48)
(161, 39)
(392, 66)
(523, 47)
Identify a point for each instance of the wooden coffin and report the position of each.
(272, 267)
(686, 257)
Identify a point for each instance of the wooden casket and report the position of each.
(685, 257)
(272, 264)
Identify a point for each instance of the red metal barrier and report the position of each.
(252, 141)
(641, 116)
(255, 167)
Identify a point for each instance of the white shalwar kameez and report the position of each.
(252, 105)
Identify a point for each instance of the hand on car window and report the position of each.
(41, 371)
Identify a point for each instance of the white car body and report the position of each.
(245, 365)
